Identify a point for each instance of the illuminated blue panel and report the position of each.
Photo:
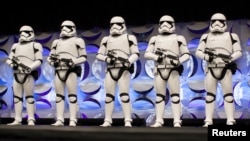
(194, 43)
(142, 46)
(91, 48)
(3, 53)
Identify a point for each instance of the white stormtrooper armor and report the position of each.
(169, 51)
(25, 66)
(67, 53)
(119, 50)
(219, 49)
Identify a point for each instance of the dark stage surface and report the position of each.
(96, 133)
(89, 130)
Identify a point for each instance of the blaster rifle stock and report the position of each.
(160, 52)
(122, 59)
(54, 57)
(224, 57)
(172, 57)
(68, 62)
(210, 52)
(111, 54)
(15, 60)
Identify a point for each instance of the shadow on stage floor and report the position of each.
(89, 130)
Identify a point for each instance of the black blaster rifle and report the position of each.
(16, 62)
(68, 62)
(225, 57)
(54, 57)
(211, 53)
(162, 52)
(112, 55)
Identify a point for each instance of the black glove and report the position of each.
(232, 66)
(210, 58)
(55, 63)
(159, 59)
(174, 63)
(127, 64)
(27, 70)
(110, 60)
(70, 64)
(14, 66)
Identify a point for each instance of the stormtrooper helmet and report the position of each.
(68, 29)
(117, 26)
(218, 23)
(166, 25)
(26, 34)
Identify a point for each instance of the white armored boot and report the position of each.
(73, 107)
(177, 123)
(128, 123)
(58, 123)
(229, 110)
(59, 110)
(72, 123)
(207, 123)
(31, 112)
(159, 107)
(18, 116)
(176, 108)
(157, 124)
(15, 123)
(31, 122)
(108, 114)
(106, 124)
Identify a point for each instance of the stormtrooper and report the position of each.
(119, 50)
(169, 51)
(67, 53)
(219, 49)
(25, 67)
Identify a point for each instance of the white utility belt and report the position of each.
(165, 66)
(62, 68)
(117, 65)
(216, 65)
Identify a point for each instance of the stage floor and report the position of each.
(96, 133)
(89, 130)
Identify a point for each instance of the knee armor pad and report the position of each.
(72, 98)
(229, 98)
(17, 99)
(124, 97)
(59, 98)
(175, 98)
(30, 99)
(160, 98)
(210, 97)
(109, 98)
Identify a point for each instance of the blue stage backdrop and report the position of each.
(91, 91)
